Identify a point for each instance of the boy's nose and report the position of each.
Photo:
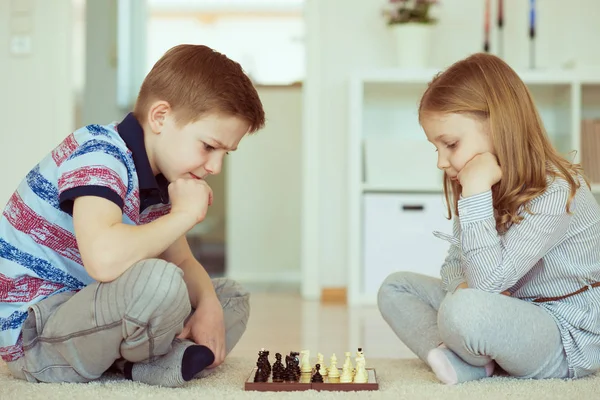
(213, 168)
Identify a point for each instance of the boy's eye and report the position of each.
(208, 147)
(451, 145)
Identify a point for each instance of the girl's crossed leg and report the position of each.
(475, 327)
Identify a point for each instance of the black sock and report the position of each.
(195, 359)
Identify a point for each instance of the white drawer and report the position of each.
(398, 235)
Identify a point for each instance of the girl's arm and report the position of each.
(495, 263)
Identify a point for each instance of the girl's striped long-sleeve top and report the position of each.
(550, 253)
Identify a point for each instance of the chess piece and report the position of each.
(333, 370)
(361, 355)
(306, 368)
(296, 364)
(348, 361)
(261, 374)
(278, 369)
(264, 356)
(317, 377)
(323, 370)
(361, 375)
(347, 375)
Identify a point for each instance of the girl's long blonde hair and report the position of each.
(484, 86)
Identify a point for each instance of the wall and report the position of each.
(100, 94)
(344, 35)
(264, 194)
(36, 106)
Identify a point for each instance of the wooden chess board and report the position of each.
(304, 383)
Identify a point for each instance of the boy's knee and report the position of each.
(160, 283)
(233, 296)
(225, 287)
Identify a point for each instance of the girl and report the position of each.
(519, 287)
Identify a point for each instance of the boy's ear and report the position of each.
(157, 115)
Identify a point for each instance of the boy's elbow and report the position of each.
(102, 267)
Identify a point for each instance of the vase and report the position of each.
(413, 44)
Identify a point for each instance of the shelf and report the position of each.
(424, 76)
(377, 188)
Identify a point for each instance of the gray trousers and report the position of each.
(521, 337)
(76, 337)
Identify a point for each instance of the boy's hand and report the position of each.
(190, 196)
(479, 174)
(207, 327)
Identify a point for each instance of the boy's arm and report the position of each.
(206, 326)
(109, 247)
(196, 278)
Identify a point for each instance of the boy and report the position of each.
(95, 270)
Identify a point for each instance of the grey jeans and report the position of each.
(76, 337)
(521, 337)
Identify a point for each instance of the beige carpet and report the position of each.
(399, 379)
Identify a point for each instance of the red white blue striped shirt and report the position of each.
(39, 256)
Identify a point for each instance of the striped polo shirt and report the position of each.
(550, 253)
(39, 256)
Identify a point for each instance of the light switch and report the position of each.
(20, 45)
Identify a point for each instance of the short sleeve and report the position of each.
(97, 168)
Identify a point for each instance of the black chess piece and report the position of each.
(259, 375)
(278, 369)
(267, 362)
(296, 364)
(317, 377)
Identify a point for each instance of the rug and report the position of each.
(398, 379)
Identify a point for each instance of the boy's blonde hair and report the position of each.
(485, 87)
(196, 80)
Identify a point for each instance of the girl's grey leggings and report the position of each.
(521, 337)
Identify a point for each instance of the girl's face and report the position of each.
(457, 138)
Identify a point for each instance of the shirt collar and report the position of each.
(153, 190)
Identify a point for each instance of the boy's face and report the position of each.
(197, 149)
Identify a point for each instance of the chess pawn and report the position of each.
(347, 375)
(348, 361)
(323, 370)
(361, 375)
(306, 367)
(333, 370)
(317, 377)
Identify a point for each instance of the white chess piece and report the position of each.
(348, 361)
(347, 375)
(323, 370)
(333, 370)
(361, 375)
(305, 361)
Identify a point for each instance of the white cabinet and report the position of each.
(398, 236)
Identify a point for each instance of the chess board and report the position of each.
(304, 383)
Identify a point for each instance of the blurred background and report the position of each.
(340, 188)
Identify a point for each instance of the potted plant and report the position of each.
(412, 24)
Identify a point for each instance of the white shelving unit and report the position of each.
(382, 109)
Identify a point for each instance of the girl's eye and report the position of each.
(208, 147)
(451, 145)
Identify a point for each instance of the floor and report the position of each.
(283, 322)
